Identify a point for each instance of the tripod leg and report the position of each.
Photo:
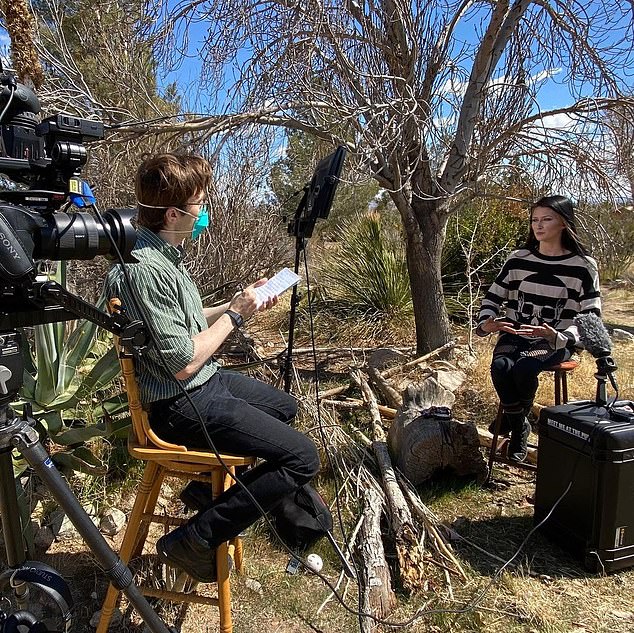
(11, 526)
(28, 442)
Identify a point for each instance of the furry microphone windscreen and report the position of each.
(593, 335)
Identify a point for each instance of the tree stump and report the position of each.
(422, 446)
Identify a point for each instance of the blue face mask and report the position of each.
(202, 220)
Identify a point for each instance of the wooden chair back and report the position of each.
(143, 434)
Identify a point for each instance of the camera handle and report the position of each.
(18, 432)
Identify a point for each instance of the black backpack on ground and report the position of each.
(301, 519)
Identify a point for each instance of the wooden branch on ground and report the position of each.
(417, 361)
(354, 403)
(342, 350)
(390, 394)
(429, 522)
(410, 555)
(378, 599)
(335, 391)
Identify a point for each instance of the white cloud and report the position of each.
(544, 74)
(559, 121)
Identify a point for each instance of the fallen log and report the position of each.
(409, 552)
(378, 598)
(425, 441)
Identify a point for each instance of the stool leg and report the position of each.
(224, 588)
(564, 387)
(220, 481)
(557, 387)
(238, 555)
(130, 539)
(494, 442)
(158, 474)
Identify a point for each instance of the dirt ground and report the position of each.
(545, 589)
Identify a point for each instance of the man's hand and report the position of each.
(245, 302)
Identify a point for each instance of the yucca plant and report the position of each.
(63, 372)
(366, 272)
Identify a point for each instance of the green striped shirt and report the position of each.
(171, 303)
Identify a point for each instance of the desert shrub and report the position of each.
(365, 272)
(479, 238)
(609, 232)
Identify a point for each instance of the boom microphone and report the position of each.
(593, 335)
(596, 340)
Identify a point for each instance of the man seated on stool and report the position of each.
(243, 416)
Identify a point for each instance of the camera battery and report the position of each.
(592, 449)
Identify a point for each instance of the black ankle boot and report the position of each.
(520, 430)
(196, 495)
(505, 427)
(186, 549)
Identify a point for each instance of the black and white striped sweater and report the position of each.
(537, 289)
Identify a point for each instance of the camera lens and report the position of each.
(81, 236)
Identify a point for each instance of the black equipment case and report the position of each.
(582, 443)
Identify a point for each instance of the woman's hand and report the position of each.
(539, 331)
(497, 325)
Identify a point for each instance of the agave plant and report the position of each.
(367, 273)
(63, 372)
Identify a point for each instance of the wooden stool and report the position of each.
(560, 374)
(165, 459)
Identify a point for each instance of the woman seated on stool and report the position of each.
(544, 286)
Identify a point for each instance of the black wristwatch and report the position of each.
(235, 317)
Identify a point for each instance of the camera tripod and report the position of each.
(19, 433)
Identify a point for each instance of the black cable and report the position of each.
(8, 105)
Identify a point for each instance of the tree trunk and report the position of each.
(425, 226)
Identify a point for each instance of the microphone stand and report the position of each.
(605, 370)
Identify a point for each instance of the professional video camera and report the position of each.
(39, 167)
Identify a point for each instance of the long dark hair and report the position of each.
(564, 208)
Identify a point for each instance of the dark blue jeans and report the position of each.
(246, 417)
(516, 365)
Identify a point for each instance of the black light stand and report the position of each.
(315, 203)
(19, 432)
(300, 246)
